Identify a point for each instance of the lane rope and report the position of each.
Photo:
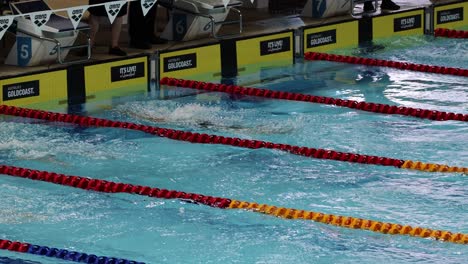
(450, 33)
(61, 253)
(364, 106)
(231, 141)
(226, 203)
(312, 56)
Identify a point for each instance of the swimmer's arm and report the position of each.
(148, 118)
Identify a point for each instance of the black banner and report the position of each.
(451, 15)
(272, 46)
(321, 38)
(20, 90)
(128, 71)
(406, 23)
(182, 62)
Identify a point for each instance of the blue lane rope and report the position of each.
(62, 253)
(77, 256)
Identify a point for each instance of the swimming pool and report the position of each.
(155, 230)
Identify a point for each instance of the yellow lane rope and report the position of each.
(351, 222)
(431, 167)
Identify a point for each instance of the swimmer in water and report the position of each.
(15, 217)
(207, 124)
(50, 158)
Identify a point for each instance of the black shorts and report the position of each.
(101, 10)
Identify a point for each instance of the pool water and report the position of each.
(160, 231)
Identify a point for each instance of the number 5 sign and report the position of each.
(23, 50)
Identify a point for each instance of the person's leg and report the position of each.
(389, 5)
(133, 21)
(137, 26)
(115, 31)
(151, 22)
(369, 6)
(115, 37)
(93, 28)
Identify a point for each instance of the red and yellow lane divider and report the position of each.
(221, 140)
(430, 167)
(226, 203)
(352, 222)
(387, 63)
(450, 33)
(364, 106)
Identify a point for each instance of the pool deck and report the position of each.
(256, 22)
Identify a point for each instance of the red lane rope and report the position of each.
(111, 187)
(14, 246)
(223, 203)
(387, 63)
(364, 106)
(201, 138)
(450, 33)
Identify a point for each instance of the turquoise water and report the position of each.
(161, 231)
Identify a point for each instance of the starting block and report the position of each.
(193, 19)
(50, 44)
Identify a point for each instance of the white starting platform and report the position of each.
(47, 45)
(194, 19)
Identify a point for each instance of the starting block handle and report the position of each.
(227, 22)
(86, 58)
(230, 22)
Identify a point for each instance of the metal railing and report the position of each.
(58, 47)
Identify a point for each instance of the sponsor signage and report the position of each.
(321, 38)
(113, 9)
(76, 14)
(20, 90)
(5, 23)
(40, 18)
(146, 5)
(181, 62)
(451, 15)
(268, 47)
(128, 71)
(406, 23)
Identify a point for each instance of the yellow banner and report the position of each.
(254, 54)
(399, 24)
(453, 16)
(41, 91)
(331, 37)
(116, 79)
(201, 63)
